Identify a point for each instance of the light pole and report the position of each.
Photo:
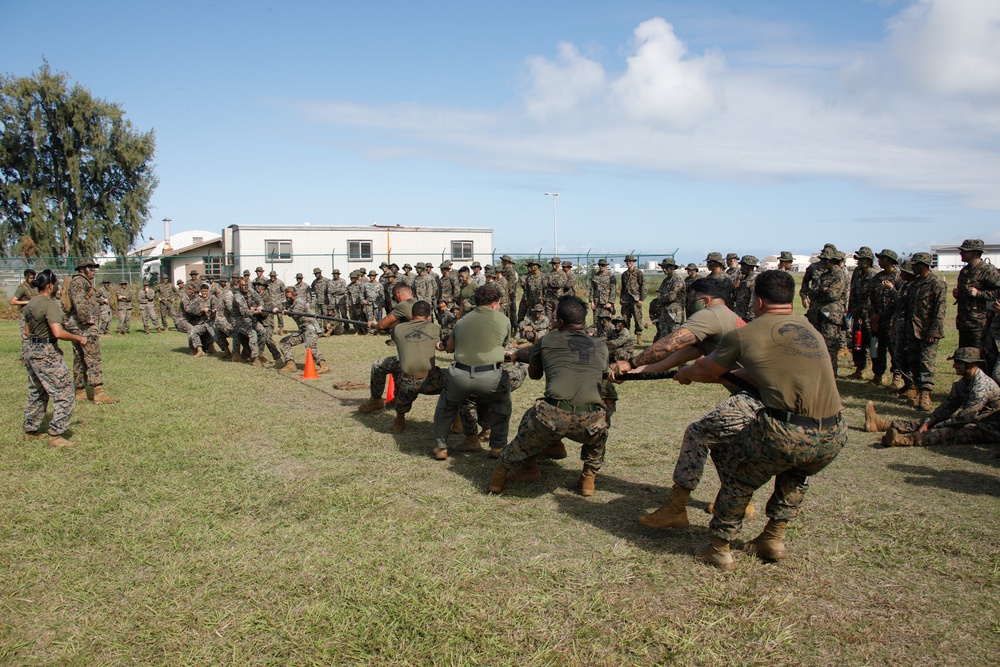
(555, 243)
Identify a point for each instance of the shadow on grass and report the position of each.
(962, 481)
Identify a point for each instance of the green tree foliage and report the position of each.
(75, 175)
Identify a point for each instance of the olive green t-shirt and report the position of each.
(403, 311)
(787, 358)
(24, 292)
(415, 345)
(480, 336)
(40, 312)
(709, 324)
(574, 365)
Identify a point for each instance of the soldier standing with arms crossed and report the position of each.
(82, 321)
(633, 293)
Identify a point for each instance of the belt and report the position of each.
(569, 407)
(416, 376)
(799, 420)
(476, 369)
(51, 341)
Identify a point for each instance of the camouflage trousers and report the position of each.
(223, 332)
(86, 358)
(124, 320)
(492, 390)
(900, 355)
(164, 310)
(358, 314)
(147, 311)
(201, 334)
(833, 334)
(305, 336)
(265, 337)
(246, 333)
(860, 357)
(770, 448)
(631, 311)
(48, 378)
(544, 425)
(24, 336)
(922, 359)
(959, 434)
(667, 324)
(104, 315)
(407, 389)
(720, 427)
(885, 356)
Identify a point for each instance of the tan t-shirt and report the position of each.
(710, 324)
(40, 312)
(415, 341)
(574, 365)
(787, 358)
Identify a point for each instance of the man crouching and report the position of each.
(574, 364)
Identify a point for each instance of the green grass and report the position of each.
(225, 515)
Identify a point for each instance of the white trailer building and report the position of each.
(292, 249)
(947, 257)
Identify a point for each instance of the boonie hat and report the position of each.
(889, 255)
(602, 262)
(668, 261)
(972, 244)
(864, 252)
(922, 258)
(972, 354)
(691, 267)
(317, 270)
(617, 318)
(749, 260)
(539, 308)
(630, 258)
(506, 258)
(555, 260)
(785, 256)
(715, 257)
(732, 255)
(85, 262)
(299, 276)
(260, 269)
(567, 264)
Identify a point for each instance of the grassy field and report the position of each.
(226, 515)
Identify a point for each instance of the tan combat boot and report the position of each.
(456, 426)
(894, 438)
(770, 544)
(441, 454)
(874, 423)
(498, 479)
(198, 352)
(585, 485)
(495, 452)
(470, 444)
(289, 367)
(528, 471)
(323, 368)
(897, 382)
(875, 381)
(59, 441)
(673, 514)
(912, 395)
(101, 397)
(748, 514)
(400, 422)
(29, 436)
(81, 395)
(484, 435)
(236, 358)
(556, 451)
(716, 553)
(372, 405)
(924, 401)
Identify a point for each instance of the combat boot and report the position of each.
(585, 485)
(858, 374)
(716, 553)
(484, 435)
(236, 358)
(210, 348)
(528, 471)
(495, 452)
(748, 514)
(59, 441)
(33, 435)
(101, 397)
(874, 423)
(897, 382)
(323, 368)
(556, 451)
(400, 422)
(456, 425)
(371, 405)
(498, 479)
(470, 444)
(198, 352)
(225, 353)
(289, 367)
(673, 514)
(894, 438)
(910, 394)
(924, 401)
(770, 544)
(81, 395)
(875, 381)
(441, 453)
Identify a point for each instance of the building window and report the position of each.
(359, 251)
(278, 251)
(461, 251)
(213, 266)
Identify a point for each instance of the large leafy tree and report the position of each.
(75, 175)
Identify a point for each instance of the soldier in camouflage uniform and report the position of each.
(446, 318)
(198, 309)
(716, 271)
(827, 298)
(632, 294)
(245, 325)
(217, 317)
(22, 295)
(510, 275)
(859, 305)
(970, 415)
(165, 296)
(147, 308)
(978, 286)
(904, 306)
(798, 431)
(298, 310)
(532, 290)
(812, 272)
(477, 276)
(276, 288)
(552, 287)
(336, 303)
(603, 294)
(574, 365)
(48, 377)
(406, 276)
(733, 266)
(104, 308)
(785, 260)
(301, 287)
(355, 301)
(180, 317)
(82, 321)
(265, 318)
(449, 285)
(467, 291)
(123, 301)
(317, 292)
(925, 327)
(670, 300)
(743, 293)
(618, 340)
(372, 297)
(534, 326)
(414, 370)
(882, 299)
(492, 277)
(424, 286)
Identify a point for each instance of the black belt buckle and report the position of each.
(42, 340)
(476, 369)
(804, 422)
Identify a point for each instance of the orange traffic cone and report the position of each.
(310, 373)
(390, 389)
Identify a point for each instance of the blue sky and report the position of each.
(734, 126)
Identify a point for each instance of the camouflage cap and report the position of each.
(506, 258)
(246, 272)
(476, 265)
(749, 260)
(555, 260)
(383, 265)
(407, 267)
(828, 253)
(785, 256)
(691, 267)
(889, 255)
(603, 315)
(567, 264)
(336, 272)
(428, 265)
(829, 246)
(906, 266)
(488, 267)
(969, 354)
(223, 279)
(490, 273)
(618, 318)
(194, 273)
(108, 282)
(84, 262)
(299, 276)
(455, 306)
(539, 308)
(864, 252)
(972, 244)
(715, 257)
(420, 266)
(259, 269)
(179, 282)
(602, 262)
(630, 257)
(372, 273)
(668, 261)
(204, 286)
(732, 255)
(393, 265)
(317, 270)
(533, 262)
(922, 258)
(123, 282)
(839, 256)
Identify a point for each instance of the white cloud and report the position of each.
(562, 86)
